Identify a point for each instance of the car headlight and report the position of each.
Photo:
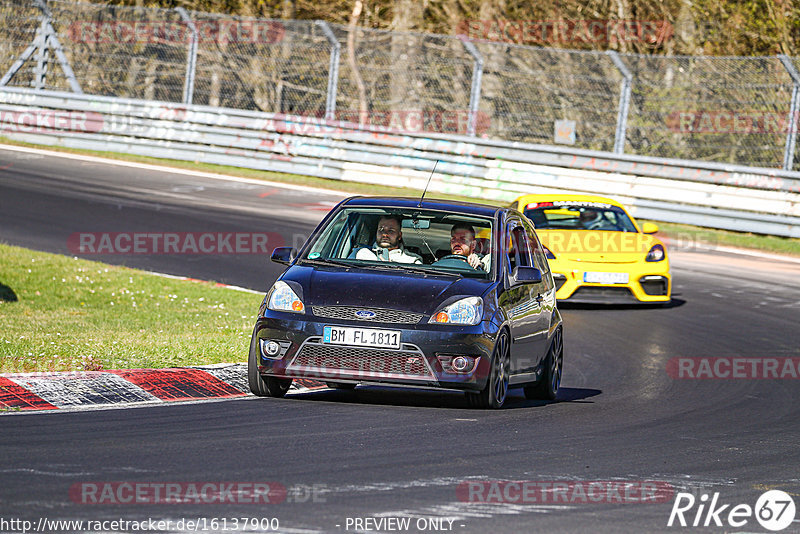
(656, 253)
(465, 311)
(283, 298)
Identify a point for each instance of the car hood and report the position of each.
(420, 293)
(597, 246)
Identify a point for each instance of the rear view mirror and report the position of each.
(419, 224)
(284, 255)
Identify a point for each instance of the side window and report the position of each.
(523, 247)
(519, 247)
(539, 259)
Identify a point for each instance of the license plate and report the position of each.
(605, 278)
(361, 337)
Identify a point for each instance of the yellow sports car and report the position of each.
(596, 250)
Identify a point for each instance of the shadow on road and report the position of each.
(385, 396)
(673, 303)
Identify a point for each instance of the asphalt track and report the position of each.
(383, 453)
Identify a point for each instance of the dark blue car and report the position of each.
(394, 291)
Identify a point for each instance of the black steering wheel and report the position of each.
(453, 257)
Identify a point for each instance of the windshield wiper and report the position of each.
(326, 261)
(408, 267)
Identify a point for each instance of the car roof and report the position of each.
(528, 199)
(470, 208)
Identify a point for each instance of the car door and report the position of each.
(543, 293)
(519, 298)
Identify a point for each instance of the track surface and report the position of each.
(383, 452)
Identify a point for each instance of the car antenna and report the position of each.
(419, 204)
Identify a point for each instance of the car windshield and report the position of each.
(411, 239)
(570, 215)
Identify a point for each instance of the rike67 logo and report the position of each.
(774, 510)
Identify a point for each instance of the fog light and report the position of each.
(272, 348)
(460, 364)
(654, 285)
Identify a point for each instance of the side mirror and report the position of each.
(649, 228)
(527, 274)
(284, 255)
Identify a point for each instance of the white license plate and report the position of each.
(362, 337)
(605, 278)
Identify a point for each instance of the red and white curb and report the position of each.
(51, 391)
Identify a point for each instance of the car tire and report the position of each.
(547, 387)
(263, 386)
(495, 392)
(340, 385)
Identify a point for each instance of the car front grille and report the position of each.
(607, 295)
(381, 315)
(315, 359)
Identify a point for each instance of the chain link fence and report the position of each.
(406, 81)
(721, 109)
(732, 110)
(526, 90)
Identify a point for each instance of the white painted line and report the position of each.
(214, 284)
(126, 406)
(175, 170)
(753, 253)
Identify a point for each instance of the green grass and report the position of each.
(680, 232)
(72, 315)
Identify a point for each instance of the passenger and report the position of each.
(462, 243)
(388, 245)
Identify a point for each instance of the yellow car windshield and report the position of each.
(579, 216)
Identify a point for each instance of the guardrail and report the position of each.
(765, 201)
(737, 110)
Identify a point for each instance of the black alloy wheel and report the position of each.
(496, 390)
(547, 387)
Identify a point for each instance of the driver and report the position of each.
(590, 219)
(462, 243)
(388, 245)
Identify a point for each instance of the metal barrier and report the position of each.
(738, 198)
(723, 109)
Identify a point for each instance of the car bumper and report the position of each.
(422, 359)
(645, 284)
